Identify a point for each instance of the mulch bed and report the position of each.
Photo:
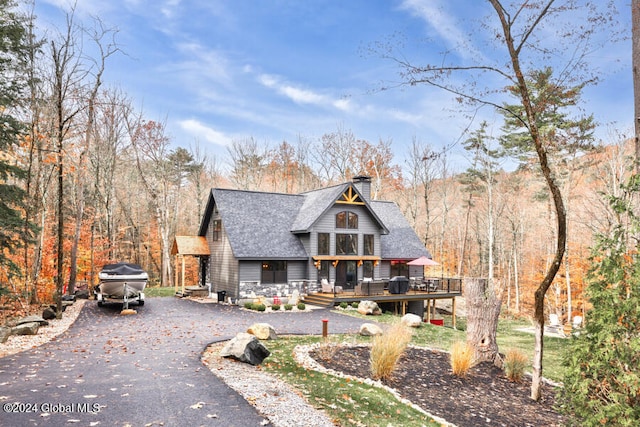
(484, 398)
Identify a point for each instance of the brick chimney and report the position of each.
(363, 185)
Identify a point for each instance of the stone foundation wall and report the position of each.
(250, 289)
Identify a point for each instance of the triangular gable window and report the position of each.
(350, 197)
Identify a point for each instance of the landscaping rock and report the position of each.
(32, 319)
(412, 320)
(4, 333)
(294, 299)
(245, 348)
(370, 330)
(48, 313)
(263, 331)
(82, 294)
(65, 304)
(369, 307)
(26, 329)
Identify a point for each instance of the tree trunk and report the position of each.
(483, 309)
(635, 55)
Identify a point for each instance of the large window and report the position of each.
(346, 219)
(323, 273)
(346, 244)
(367, 269)
(274, 272)
(217, 230)
(324, 243)
(368, 244)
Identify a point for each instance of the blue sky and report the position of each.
(274, 70)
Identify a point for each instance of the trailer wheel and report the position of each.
(100, 303)
(141, 302)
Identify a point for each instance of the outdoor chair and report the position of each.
(329, 287)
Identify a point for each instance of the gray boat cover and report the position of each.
(122, 269)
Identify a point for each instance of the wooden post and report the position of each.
(175, 281)
(182, 274)
(453, 312)
(429, 310)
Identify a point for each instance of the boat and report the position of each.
(121, 282)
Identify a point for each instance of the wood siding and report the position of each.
(223, 267)
(327, 224)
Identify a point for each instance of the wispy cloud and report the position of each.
(203, 132)
(303, 96)
(433, 12)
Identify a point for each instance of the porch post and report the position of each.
(182, 274)
(175, 281)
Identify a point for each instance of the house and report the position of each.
(270, 244)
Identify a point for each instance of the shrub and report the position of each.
(275, 307)
(248, 305)
(515, 362)
(344, 305)
(288, 307)
(387, 348)
(301, 306)
(461, 358)
(354, 304)
(327, 349)
(259, 307)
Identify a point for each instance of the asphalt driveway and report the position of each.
(140, 370)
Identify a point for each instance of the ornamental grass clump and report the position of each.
(461, 358)
(386, 350)
(514, 364)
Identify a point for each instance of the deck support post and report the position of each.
(453, 312)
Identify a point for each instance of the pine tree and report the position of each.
(602, 379)
(13, 48)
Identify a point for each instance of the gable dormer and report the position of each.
(350, 197)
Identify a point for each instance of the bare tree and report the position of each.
(635, 56)
(96, 70)
(516, 33)
(248, 163)
(67, 76)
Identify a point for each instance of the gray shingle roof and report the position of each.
(259, 224)
(402, 242)
(315, 204)
(264, 225)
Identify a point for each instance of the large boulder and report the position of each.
(26, 329)
(32, 319)
(369, 307)
(370, 330)
(411, 320)
(4, 333)
(263, 331)
(245, 348)
(294, 299)
(48, 313)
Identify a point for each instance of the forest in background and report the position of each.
(103, 182)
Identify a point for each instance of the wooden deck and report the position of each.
(329, 299)
(401, 302)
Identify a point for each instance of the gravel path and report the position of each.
(143, 369)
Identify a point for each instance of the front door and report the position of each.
(347, 274)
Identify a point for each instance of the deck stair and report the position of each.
(320, 300)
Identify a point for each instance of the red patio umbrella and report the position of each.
(423, 260)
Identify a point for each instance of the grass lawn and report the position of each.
(159, 291)
(354, 403)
